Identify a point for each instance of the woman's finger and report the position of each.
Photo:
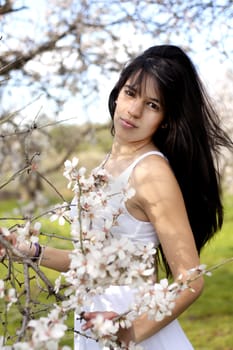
(89, 316)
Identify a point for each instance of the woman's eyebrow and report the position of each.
(155, 99)
(130, 87)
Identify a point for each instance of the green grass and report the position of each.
(208, 322)
(14, 317)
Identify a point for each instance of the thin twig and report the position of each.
(51, 185)
(26, 260)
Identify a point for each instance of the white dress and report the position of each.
(118, 298)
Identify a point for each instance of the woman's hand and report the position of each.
(90, 316)
(8, 237)
(124, 335)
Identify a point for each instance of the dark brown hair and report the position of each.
(193, 136)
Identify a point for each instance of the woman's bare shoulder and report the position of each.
(152, 167)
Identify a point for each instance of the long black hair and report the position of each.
(191, 136)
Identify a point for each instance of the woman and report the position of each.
(166, 142)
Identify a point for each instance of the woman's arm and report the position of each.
(159, 200)
(56, 259)
(52, 258)
(159, 197)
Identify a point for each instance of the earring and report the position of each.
(164, 126)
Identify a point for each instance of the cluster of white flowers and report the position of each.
(99, 259)
(60, 213)
(26, 233)
(46, 333)
(8, 294)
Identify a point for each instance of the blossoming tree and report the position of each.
(98, 260)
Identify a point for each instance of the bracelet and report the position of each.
(37, 252)
(41, 255)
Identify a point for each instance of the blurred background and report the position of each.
(60, 59)
(58, 62)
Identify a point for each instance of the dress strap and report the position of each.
(128, 171)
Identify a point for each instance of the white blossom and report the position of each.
(23, 233)
(98, 260)
(61, 211)
(103, 327)
(22, 346)
(11, 297)
(2, 289)
(35, 232)
(37, 227)
(70, 168)
(133, 346)
(57, 284)
(5, 231)
(46, 329)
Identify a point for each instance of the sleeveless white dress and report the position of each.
(118, 298)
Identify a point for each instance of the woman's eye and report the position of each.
(153, 106)
(129, 92)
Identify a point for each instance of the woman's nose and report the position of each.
(135, 108)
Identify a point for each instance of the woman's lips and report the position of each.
(127, 123)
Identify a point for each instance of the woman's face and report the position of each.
(138, 112)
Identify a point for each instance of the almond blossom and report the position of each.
(103, 327)
(98, 260)
(60, 213)
(9, 294)
(48, 328)
(2, 289)
(11, 297)
(28, 233)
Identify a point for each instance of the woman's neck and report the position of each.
(121, 150)
(121, 156)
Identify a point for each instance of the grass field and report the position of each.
(209, 321)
